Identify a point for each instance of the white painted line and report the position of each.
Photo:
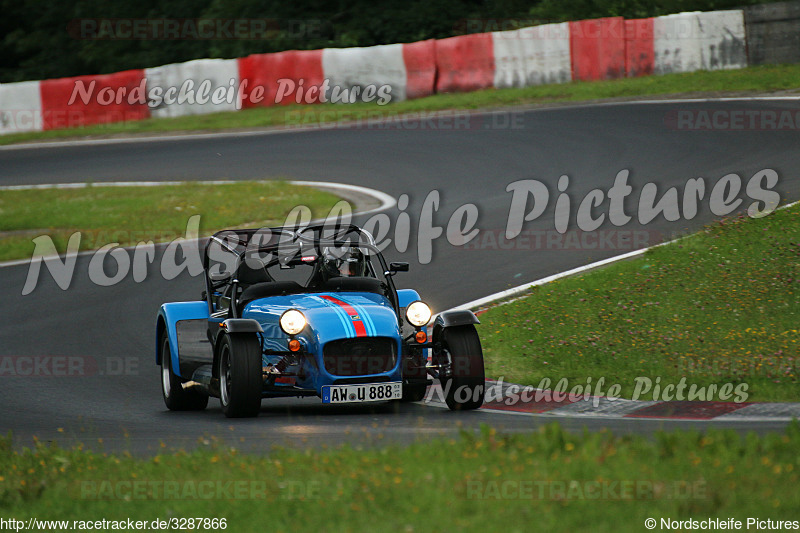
(724, 99)
(760, 411)
(617, 412)
(158, 138)
(726, 418)
(110, 184)
(583, 416)
(386, 201)
(480, 302)
(420, 115)
(520, 289)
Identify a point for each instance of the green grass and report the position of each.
(128, 215)
(718, 307)
(476, 482)
(754, 79)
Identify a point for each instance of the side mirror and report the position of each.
(398, 267)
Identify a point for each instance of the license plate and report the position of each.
(368, 392)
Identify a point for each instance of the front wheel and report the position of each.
(175, 396)
(462, 377)
(414, 392)
(240, 377)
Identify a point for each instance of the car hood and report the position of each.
(330, 315)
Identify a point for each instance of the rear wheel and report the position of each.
(462, 379)
(175, 396)
(240, 377)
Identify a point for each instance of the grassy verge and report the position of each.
(721, 306)
(754, 79)
(484, 482)
(128, 215)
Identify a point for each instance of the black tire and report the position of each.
(414, 392)
(176, 398)
(464, 382)
(240, 375)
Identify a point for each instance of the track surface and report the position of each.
(113, 327)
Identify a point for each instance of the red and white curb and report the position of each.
(545, 403)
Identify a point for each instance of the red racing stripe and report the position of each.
(358, 324)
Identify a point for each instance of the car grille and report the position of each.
(360, 356)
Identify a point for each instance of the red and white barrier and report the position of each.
(87, 100)
(281, 78)
(339, 74)
(356, 74)
(597, 48)
(532, 56)
(553, 53)
(465, 63)
(722, 40)
(20, 107)
(420, 61)
(409, 70)
(639, 48)
(675, 42)
(686, 42)
(193, 88)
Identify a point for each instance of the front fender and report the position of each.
(407, 296)
(455, 318)
(241, 325)
(231, 325)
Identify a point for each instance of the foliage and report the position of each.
(129, 215)
(717, 307)
(475, 482)
(39, 39)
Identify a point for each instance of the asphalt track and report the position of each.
(116, 397)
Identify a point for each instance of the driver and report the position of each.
(351, 263)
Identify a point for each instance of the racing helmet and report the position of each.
(349, 263)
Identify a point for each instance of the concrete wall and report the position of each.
(773, 33)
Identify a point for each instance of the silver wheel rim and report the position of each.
(224, 375)
(447, 362)
(166, 385)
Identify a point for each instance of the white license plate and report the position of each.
(368, 392)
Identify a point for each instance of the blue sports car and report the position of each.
(310, 311)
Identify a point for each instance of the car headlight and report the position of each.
(292, 322)
(418, 314)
